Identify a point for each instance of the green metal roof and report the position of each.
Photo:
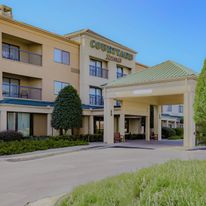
(168, 70)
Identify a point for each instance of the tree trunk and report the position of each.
(60, 132)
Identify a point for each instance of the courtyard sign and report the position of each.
(111, 50)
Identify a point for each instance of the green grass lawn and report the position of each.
(175, 183)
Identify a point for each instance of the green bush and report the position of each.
(10, 135)
(86, 137)
(16, 147)
(134, 136)
(201, 134)
(168, 132)
(175, 137)
(175, 183)
(179, 131)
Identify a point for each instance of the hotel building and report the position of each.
(36, 64)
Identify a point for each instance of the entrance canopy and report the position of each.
(166, 83)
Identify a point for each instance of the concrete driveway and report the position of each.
(30, 180)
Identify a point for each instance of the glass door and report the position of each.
(24, 123)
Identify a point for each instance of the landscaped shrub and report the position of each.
(134, 136)
(168, 132)
(10, 135)
(201, 134)
(16, 147)
(175, 137)
(179, 131)
(86, 137)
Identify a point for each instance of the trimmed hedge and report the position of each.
(87, 137)
(29, 144)
(175, 137)
(17, 147)
(10, 135)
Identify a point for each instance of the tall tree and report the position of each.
(67, 112)
(200, 98)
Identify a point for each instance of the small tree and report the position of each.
(200, 98)
(67, 113)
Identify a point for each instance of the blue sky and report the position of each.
(157, 29)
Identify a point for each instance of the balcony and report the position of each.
(24, 92)
(96, 100)
(21, 55)
(98, 72)
(21, 50)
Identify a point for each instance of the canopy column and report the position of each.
(122, 125)
(147, 125)
(108, 120)
(159, 122)
(189, 124)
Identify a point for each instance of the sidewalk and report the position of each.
(50, 152)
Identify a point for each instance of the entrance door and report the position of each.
(98, 125)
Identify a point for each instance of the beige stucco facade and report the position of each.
(41, 42)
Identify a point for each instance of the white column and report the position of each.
(155, 120)
(122, 125)
(189, 124)
(49, 127)
(91, 124)
(108, 120)
(159, 122)
(3, 119)
(147, 129)
(175, 124)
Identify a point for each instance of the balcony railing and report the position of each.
(96, 100)
(98, 72)
(120, 75)
(16, 54)
(15, 91)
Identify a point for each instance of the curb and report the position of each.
(49, 201)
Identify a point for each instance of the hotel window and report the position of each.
(169, 108)
(20, 122)
(10, 87)
(120, 72)
(61, 56)
(95, 69)
(10, 51)
(180, 109)
(95, 96)
(58, 86)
